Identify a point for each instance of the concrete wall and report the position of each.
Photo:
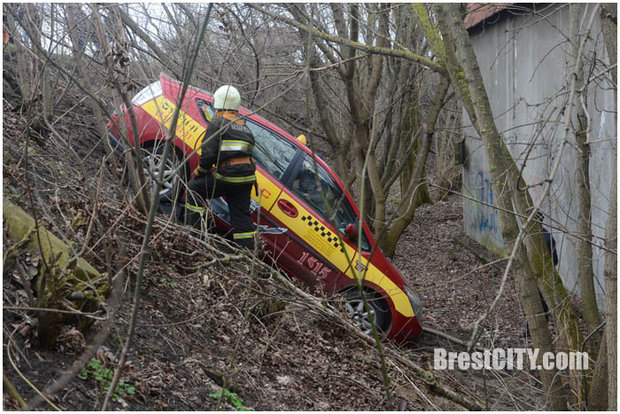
(525, 65)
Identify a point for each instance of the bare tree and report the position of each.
(586, 272)
(464, 69)
(609, 15)
(387, 121)
(529, 258)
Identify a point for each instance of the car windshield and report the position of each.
(316, 186)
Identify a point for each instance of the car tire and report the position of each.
(174, 178)
(354, 306)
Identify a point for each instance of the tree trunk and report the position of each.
(584, 249)
(611, 297)
(609, 25)
(597, 393)
(408, 205)
(503, 170)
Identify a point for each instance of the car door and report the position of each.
(316, 211)
(276, 158)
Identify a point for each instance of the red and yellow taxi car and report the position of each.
(307, 220)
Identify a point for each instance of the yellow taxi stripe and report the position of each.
(329, 245)
(188, 129)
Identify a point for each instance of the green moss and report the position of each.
(60, 277)
(430, 31)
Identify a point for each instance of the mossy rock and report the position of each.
(66, 280)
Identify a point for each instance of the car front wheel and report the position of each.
(377, 309)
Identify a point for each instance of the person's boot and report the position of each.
(246, 243)
(179, 214)
(192, 219)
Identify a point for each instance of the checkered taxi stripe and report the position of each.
(323, 231)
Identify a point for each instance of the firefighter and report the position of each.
(226, 168)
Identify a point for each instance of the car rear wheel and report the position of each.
(173, 175)
(377, 309)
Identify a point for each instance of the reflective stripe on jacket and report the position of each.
(228, 137)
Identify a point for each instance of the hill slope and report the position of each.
(209, 317)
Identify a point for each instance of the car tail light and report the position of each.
(150, 92)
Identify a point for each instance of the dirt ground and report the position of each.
(207, 319)
(457, 278)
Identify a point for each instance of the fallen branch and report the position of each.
(451, 338)
(12, 391)
(330, 314)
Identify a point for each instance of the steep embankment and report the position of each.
(207, 316)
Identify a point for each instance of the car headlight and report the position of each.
(415, 301)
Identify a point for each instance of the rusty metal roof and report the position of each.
(478, 12)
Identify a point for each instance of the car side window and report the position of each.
(272, 152)
(312, 183)
(206, 109)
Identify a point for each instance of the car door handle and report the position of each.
(288, 208)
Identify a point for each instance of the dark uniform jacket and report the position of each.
(234, 141)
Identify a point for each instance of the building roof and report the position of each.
(479, 12)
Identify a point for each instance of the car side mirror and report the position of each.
(351, 231)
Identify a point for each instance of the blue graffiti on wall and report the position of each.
(487, 217)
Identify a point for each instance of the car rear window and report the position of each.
(272, 151)
(149, 92)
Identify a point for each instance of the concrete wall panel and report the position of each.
(526, 66)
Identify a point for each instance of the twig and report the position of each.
(69, 312)
(10, 388)
(450, 338)
(95, 205)
(151, 219)
(27, 381)
(23, 277)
